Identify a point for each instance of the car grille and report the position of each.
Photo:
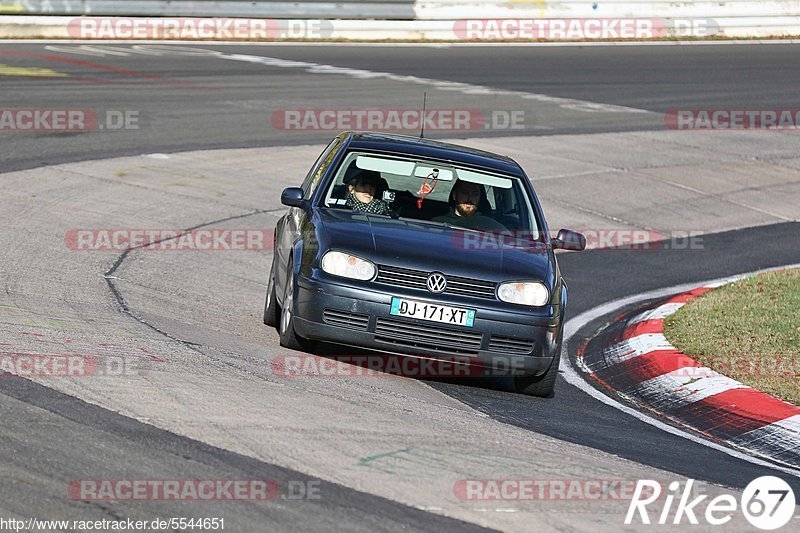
(415, 279)
(511, 345)
(343, 319)
(425, 337)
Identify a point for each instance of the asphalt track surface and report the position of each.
(595, 278)
(188, 102)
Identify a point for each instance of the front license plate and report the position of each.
(433, 312)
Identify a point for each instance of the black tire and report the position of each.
(541, 386)
(271, 303)
(288, 337)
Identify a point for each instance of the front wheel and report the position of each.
(541, 386)
(544, 385)
(288, 337)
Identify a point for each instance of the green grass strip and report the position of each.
(748, 330)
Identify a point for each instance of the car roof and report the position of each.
(428, 148)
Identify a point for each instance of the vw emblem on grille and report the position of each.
(436, 282)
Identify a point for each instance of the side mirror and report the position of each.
(293, 197)
(569, 240)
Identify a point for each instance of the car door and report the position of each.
(290, 224)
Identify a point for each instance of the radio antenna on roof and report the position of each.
(422, 119)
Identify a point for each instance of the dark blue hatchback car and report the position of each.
(411, 246)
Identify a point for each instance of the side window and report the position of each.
(319, 168)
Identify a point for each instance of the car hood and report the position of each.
(429, 247)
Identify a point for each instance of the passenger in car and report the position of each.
(465, 199)
(362, 188)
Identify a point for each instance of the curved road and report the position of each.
(217, 410)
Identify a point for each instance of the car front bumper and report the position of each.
(502, 341)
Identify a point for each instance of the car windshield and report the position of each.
(431, 191)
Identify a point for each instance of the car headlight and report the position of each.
(524, 293)
(347, 266)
